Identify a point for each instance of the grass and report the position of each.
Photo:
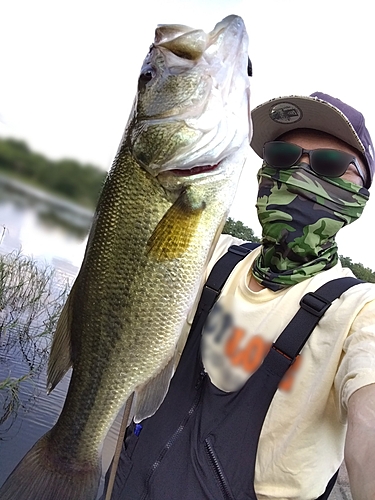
(9, 397)
(31, 300)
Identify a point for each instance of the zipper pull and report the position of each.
(201, 377)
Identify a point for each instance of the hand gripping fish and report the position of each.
(161, 210)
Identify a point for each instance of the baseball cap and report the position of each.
(319, 112)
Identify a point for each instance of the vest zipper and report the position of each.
(223, 483)
(175, 435)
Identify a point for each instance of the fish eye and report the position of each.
(147, 74)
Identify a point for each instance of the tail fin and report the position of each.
(40, 476)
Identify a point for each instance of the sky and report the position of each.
(69, 70)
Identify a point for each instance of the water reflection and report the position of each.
(41, 247)
(41, 225)
(31, 299)
(51, 236)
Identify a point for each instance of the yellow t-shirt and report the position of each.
(302, 440)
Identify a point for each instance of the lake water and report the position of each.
(53, 233)
(51, 230)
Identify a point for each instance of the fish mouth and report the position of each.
(202, 169)
(178, 178)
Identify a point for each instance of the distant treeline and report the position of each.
(68, 178)
(239, 230)
(82, 184)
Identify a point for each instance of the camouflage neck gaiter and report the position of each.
(300, 214)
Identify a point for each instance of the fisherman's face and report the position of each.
(313, 139)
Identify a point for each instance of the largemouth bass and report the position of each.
(161, 210)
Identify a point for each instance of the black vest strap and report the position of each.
(216, 280)
(313, 305)
(225, 265)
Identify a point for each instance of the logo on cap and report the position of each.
(286, 113)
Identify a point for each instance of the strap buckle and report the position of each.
(282, 352)
(239, 250)
(314, 304)
(210, 295)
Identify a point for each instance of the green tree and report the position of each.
(359, 270)
(239, 230)
(68, 178)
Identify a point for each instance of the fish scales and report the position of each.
(161, 210)
(101, 313)
(110, 376)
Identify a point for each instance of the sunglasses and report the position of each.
(325, 162)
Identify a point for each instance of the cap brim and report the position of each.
(278, 116)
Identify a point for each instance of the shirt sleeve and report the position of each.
(357, 367)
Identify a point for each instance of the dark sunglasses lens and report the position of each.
(281, 154)
(329, 162)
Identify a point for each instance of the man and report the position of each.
(202, 442)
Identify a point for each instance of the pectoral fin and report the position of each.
(60, 359)
(173, 234)
(150, 395)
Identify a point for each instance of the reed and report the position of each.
(31, 299)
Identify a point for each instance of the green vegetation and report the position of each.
(359, 270)
(68, 178)
(31, 299)
(10, 397)
(239, 230)
(30, 296)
